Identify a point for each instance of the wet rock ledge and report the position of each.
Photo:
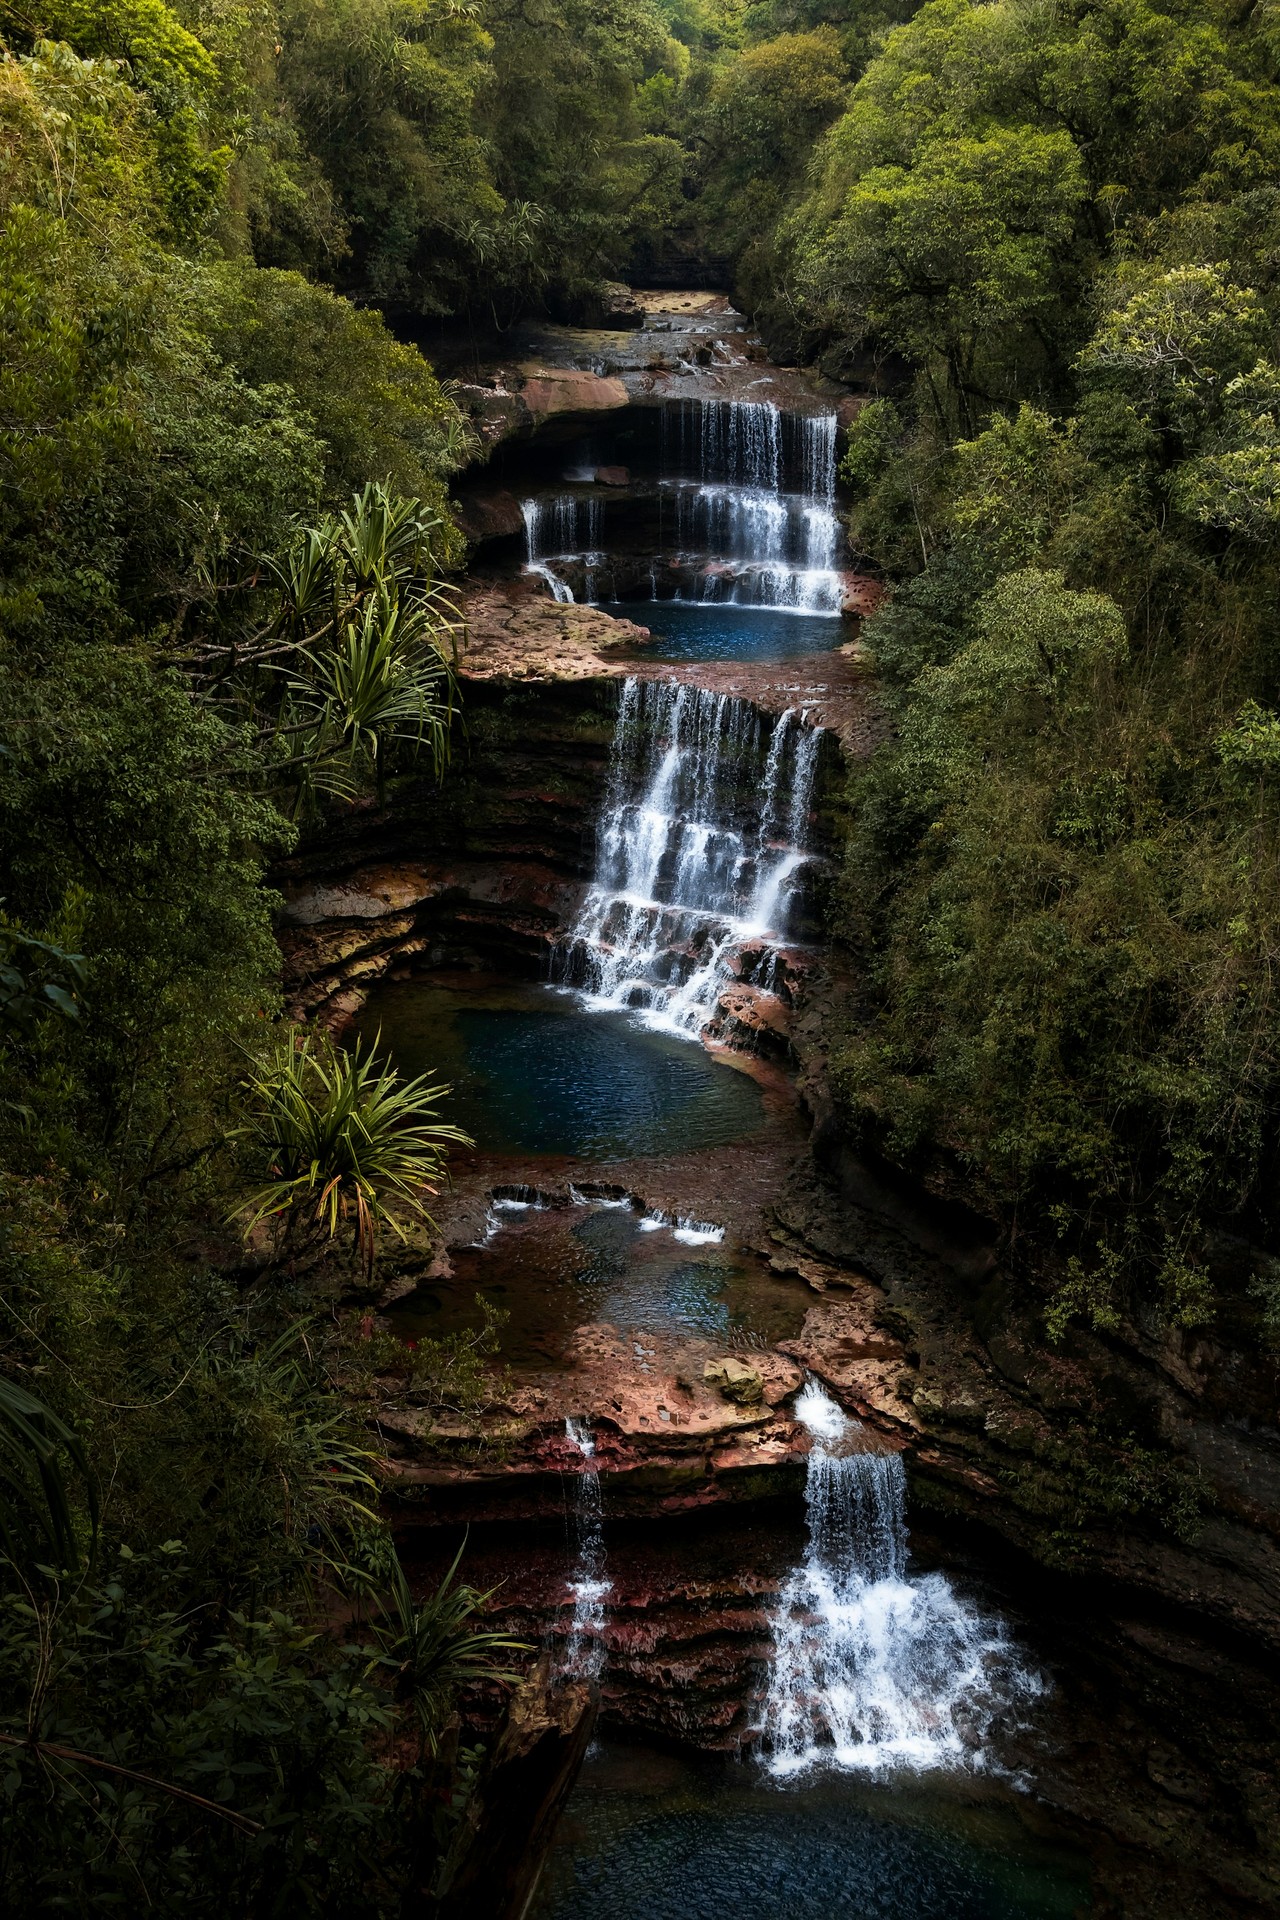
(487, 873)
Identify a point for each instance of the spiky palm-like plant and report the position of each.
(356, 661)
(434, 1646)
(381, 682)
(38, 1520)
(345, 1139)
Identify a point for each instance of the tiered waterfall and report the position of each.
(747, 514)
(753, 499)
(701, 850)
(874, 1669)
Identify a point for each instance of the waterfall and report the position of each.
(753, 543)
(583, 1657)
(700, 848)
(770, 549)
(735, 440)
(818, 454)
(874, 1669)
(751, 494)
(568, 526)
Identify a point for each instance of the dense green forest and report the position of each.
(1048, 236)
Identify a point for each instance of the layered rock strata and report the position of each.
(489, 872)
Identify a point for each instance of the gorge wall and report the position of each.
(1123, 1493)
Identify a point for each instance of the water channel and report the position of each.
(876, 1758)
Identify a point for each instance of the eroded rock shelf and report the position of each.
(683, 1359)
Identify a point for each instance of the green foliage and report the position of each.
(225, 1763)
(433, 1649)
(355, 659)
(38, 1519)
(1234, 484)
(37, 978)
(223, 531)
(384, 94)
(765, 108)
(1252, 744)
(1093, 1480)
(939, 258)
(375, 403)
(343, 1139)
(1060, 878)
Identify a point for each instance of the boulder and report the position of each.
(490, 516)
(860, 594)
(549, 391)
(736, 1379)
(613, 305)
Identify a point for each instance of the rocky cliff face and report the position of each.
(486, 872)
(1148, 1459)
(1127, 1490)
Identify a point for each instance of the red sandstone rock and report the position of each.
(667, 1441)
(548, 391)
(858, 1360)
(516, 633)
(490, 516)
(860, 594)
(848, 409)
(372, 893)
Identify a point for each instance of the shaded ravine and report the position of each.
(649, 913)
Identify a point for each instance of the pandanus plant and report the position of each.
(40, 1521)
(379, 683)
(433, 1647)
(345, 1141)
(356, 661)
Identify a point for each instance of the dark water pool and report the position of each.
(552, 1271)
(730, 633)
(532, 1073)
(649, 1836)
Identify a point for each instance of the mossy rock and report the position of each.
(737, 1380)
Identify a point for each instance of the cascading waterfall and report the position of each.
(752, 543)
(749, 515)
(735, 440)
(873, 1669)
(583, 1657)
(567, 527)
(698, 851)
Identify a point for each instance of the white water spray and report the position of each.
(682, 1227)
(750, 542)
(559, 532)
(583, 1657)
(875, 1670)
(700, 849)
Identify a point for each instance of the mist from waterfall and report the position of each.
(701, 848)
(875, 1669)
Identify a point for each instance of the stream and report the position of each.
(806, 1712)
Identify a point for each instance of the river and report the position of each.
(814, 1703)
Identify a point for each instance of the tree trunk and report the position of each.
(494, 1864)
